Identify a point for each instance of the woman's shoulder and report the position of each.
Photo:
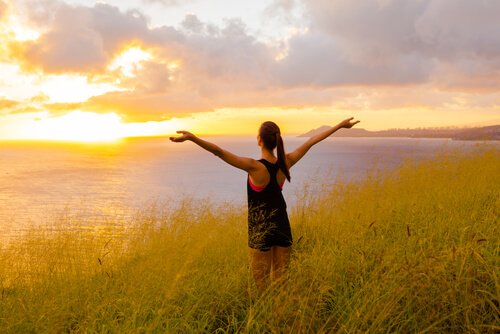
(267, 162)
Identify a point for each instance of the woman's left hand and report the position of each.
(186, 135)
(348, 123)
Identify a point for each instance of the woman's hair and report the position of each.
(270, 135)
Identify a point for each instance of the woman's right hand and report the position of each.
(186, 135)
(347, 123)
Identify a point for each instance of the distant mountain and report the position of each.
(480, 133)
(354, 132)
(484, 133)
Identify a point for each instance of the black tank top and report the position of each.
(269, 204)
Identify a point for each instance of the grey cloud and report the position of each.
(151, 78)
(285, 5)
(228, 54)
(216, 61)
(168, 2)
(472, 74)
(463, 36)
(390, 42)
(452, 29)
(316, 59)
(357, 43)
(38, 12)
(282, 9)
(85, 38)
(369, 30)
(348, 43)
(449, 43)
(77, 48)
(193, 24)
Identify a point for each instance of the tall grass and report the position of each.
(411, 250)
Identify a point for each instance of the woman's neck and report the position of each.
(269, 156)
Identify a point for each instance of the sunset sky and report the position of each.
(99, 70)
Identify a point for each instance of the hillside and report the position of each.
(413, 250)
(479, 133)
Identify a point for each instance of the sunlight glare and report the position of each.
(89, 127)
(22, 33)
(130, 60)
(79, 126)
(153, 128)
(66, 88)
(18, 31)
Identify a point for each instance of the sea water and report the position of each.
(104, 182)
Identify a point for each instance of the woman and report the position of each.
(269, 234)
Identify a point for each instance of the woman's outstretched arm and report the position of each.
(247, 164)
(293, 157)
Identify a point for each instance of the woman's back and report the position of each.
(268, 223)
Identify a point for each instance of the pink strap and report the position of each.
(259, 189)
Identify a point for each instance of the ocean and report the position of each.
(103, 183)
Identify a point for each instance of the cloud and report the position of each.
(216, 62)
(7, 104)
(282, 10)
(463, 38)
(76, 50)
(3, 10)
(353, 43)
(143, 106)
(153, 78)
(368, 31)
(452, 45)
(85, 39)
(4, 33)
(168, 2)
(460, 28)
(62, 108)
(192, 24)
(396, 42)
(11, 107)
(316, 59)
(228, 55)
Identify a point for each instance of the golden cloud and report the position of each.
(197, 67)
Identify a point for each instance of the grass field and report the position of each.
(411, 250)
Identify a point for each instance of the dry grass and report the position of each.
(413, 250)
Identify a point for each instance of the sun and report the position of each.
(78, 126)
(87, 127)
